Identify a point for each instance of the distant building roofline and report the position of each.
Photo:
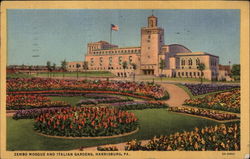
(195, 54)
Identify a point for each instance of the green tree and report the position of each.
(63, 67)
(235, 72)
(201, 68)
(53, 68)
(77, 70)
(134, 66)
(85, 67)
(162, 66)
(48, 67)
(124, 66)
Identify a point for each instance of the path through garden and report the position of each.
(177, 95)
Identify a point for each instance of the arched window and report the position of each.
(197, 61)
(190, 62)
(182, 62)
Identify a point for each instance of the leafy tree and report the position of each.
(134, 66)
(30, 68)
(201, 68)
(63, 66)
(54, 68)
(235, 72)
(48, 67)
(85, 67)
(23, 66)
(124, 66)
(162, 66)
(77, 70)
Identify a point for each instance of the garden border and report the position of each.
(220, 121)
(223, 111)
(79, 91)
(97, 137)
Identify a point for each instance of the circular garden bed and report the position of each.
(86, 122)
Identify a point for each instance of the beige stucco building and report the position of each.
(179, 60)
(75, 66)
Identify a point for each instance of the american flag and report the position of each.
(114, 27)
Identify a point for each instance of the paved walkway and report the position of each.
(177, 95)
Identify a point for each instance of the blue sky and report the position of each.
(56, 34)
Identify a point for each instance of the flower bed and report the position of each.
(99, 96)
(16, 102)
(86, 122)
(227, 101)
(205, 113)
(216, 138)
(33, 113)
(140, 89)
(136, 105)
(102, 100)
(107, 148)
(198, 89)
(75, 93)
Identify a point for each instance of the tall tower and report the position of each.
(152, 39)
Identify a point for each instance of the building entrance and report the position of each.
(148, 72)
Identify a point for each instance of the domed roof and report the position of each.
(177, 48)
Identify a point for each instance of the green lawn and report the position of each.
(177, 79)
(19, 75)
(80, 74)
(153, 122)
(71, 100)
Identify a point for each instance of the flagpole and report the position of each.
(110, 34)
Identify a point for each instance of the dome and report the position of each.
(177, 48)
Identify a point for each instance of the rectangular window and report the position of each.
(110, 60)
(92, 61)
(130, 59)
(120, 60)
(100, 61)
